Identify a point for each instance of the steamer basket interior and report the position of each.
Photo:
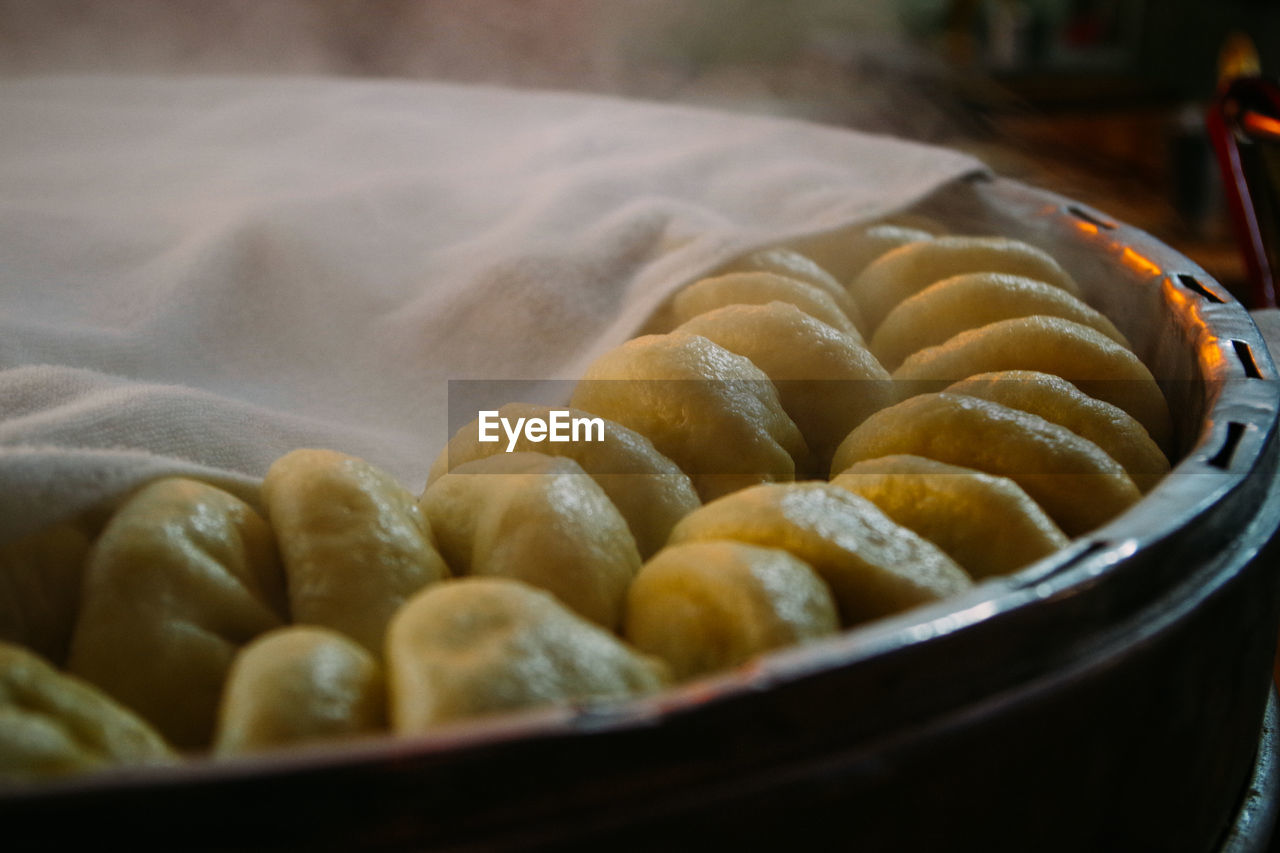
(1126, 675)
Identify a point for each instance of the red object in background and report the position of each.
(1244, 126)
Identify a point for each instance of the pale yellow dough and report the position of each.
(40, 588)
(827, 382)
(1088, 359)
(712, 412)
(847, 252)
(1072, 479)
(953, 305)
(650, 490)
(757, 288)
(539, 519)
(873, 566)
(792, 264)
(53, 724)
(355, 545)
(478, 646)
(296, 685)
(987, 524)
(708, 606)
(1055, 399)
(182, 576)
(909, 269)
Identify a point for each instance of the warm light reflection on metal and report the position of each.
(1185, 304)
(1213, 354)
(1088, 228)
(1139, 262)
(1259, 126)
(1179, 299)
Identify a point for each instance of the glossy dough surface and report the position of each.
(713, 413)
(52, 724)
(182, 577)
(1083, 356)
(477, 646)
(1057, 400)
(953, 305)
(650, 490)
(873, 566)
(792, 264)
(1078, 485)
(707, 606)
(297, 684)
(987, 524)
(827, 382)
(758, 288)
(354, 544)
(906, 270)
(846, 254)
(539, 519)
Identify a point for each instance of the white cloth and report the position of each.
(199, 274)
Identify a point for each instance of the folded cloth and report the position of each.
(200, 274)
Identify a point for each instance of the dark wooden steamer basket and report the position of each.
(1109, 697)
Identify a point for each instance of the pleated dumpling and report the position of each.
(954, 305)
(477, 646)
(300, 684)
(712, 412)
(872, 566)
(183, 575)
(757, 288)
(793, 264)
(906, 270)
(353, 542)
(538, 519)
(650, 490)
(846, 252)
(1055, 399)
(1088, 359)
(707, 606)
(827, 381)
(53, 724)
(1071, 478)
(986, 523)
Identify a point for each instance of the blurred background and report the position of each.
(1102, 100)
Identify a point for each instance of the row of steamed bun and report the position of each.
(783, 456)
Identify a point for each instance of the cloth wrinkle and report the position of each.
(202, 273)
